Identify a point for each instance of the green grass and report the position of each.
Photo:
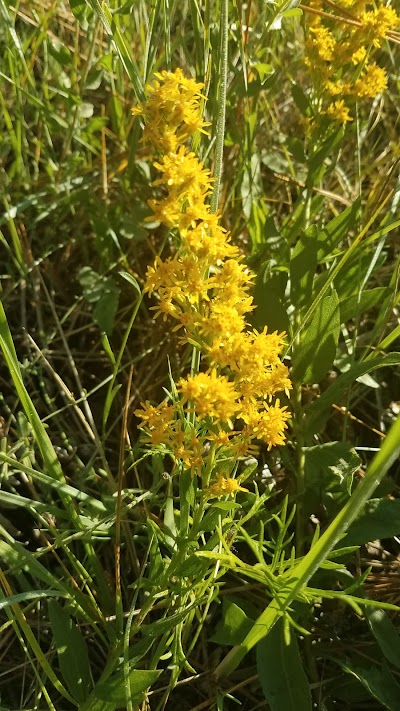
(117, 589)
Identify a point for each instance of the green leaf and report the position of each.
(108, 21)
(349, 690)
(328, 238)
(92, 284)
(319, 409)
(79, 9)
(93, 82)
(72, 652)
(269, 292)
(327, 149)
(380, 519)
(114, 689)
(30, 595)
(131, 279)
(315, 353)
(112, 694)
(104, 294)
(46, 448)
(234, 625)
(385, 634)
(303, 265)
(353, 306)
(301, 100)
(19, 558)
(156, 567)
(281, 673)
(186, 496)
(106, 308)
(226, 505)
(59, 51)
(159, 627)
(328, 472)
(379, 682)
(193, 567)
(28, 638)
(46, 482)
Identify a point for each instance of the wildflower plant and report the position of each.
(142, 569)
(229, 401)
(341, 43)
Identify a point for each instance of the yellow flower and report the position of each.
(221, 322)
(166, 211)
(323, 42)
(227, 350)
(377, 22)
(263, 382)
(232, 273)
(345, 50)
(221, 438)
(338, 111)
(171, 111)
(177, 279)
(333, 88)
(161, 274)
(208, 241)
(157, 420)
(359, 55)
(372, 81)
(268, 425)
(212, 395)
(187, 448)
(184, 176)
(225, 486)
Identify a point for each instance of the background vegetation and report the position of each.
(97, 610)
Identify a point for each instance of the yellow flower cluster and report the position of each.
(339, 50)
(224, 486)
(169, 121)
(205, 287)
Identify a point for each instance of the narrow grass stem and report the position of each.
(72, 128)
(300, 462)
(220, 132)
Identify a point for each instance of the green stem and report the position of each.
(300, 462)
(198, 514)
(305, 569)
(219, 141)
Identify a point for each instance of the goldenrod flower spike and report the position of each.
(205, 287)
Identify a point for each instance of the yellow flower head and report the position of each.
(212, 395)
(377, 23)
(359, 55)
(372, 82)
(184, 176)
(171, 111)
(225, 486)
(157, 421)
(322, 42)
(268, 425)
(208, 241)
(338, 111)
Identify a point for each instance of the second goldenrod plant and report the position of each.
(340, 48)
(222, 410)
